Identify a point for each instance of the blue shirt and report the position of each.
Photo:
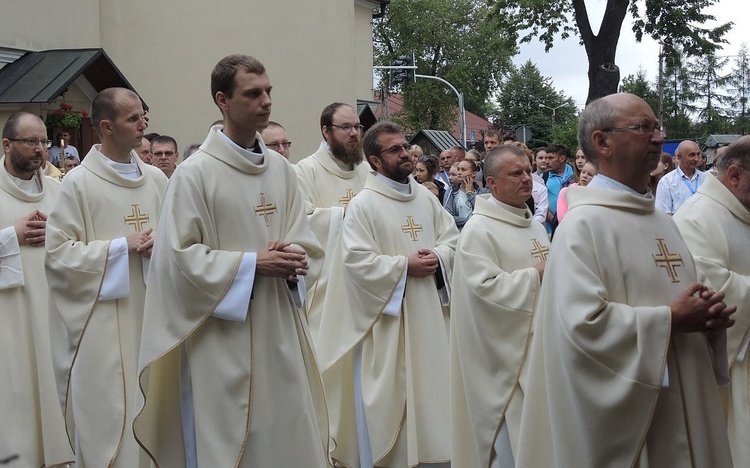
(675, 188)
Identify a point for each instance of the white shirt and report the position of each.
(675, 188)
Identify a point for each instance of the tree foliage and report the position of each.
(701, 97)
(676, 23)
(528, 98)
(456, 40)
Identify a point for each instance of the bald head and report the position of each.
(104, 105)
(688, 156)
(620, 133)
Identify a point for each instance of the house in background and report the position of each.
(475, 125)
(316, 52)
(39, 82)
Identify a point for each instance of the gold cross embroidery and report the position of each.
(667, 260)
(539, 251)
(136, 218)
(411, 228)
(265, 209)
(347, 197)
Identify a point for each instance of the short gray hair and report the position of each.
(738, 153)
(598, 115)
(493, 162)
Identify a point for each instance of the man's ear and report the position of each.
(601, 142)
(221, 101)
(375, 162)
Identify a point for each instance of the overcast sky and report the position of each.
(566, 63)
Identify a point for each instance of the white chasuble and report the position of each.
(254, 392)
(494, 289)
(96, 352)
(33, 427)
(602, 340)
(328, 189)
(716, 227)
(403, 358)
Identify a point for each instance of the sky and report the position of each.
(566, 62)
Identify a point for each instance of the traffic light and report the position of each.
(402, 75)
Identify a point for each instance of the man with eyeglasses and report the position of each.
(274, 136)
(383, 339)
(677, 186)
(329, 178)
(628, 346)
(98, 245)
(164, 154)
(33, 427)
(716, 226)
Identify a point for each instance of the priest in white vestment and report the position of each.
(383, 340)
(99, 236)
(329, 178)
(716, 226)
(32, 431)
(628, 346)
(496, 280)
(227, 366)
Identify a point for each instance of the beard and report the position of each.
(348, 153)
(23, 165)
(399, 171)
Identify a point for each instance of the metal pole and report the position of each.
(461, 110)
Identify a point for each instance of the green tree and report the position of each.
(456, 40)
(679, 98)
(528, 98)
(639, 85)
(739, 89)
(678, 24)
(708, 83)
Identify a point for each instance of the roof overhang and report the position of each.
(41, 77)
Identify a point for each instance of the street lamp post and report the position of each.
(553, 109)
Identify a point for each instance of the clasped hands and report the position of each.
(30, 230)
(699, 309)
(282, 260)
(141, 243)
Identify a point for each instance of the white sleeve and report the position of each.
(394, 305)
(236, 302)
(116, 283)
(541, 204)
(11, 268)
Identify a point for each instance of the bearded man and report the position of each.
(329, 179)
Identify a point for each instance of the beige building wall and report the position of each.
(315, 52)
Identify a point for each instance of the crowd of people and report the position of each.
(372, 305)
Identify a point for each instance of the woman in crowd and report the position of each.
(579, 162)
(424, 173)
(459, 200)
(666, 165)
(588, 171)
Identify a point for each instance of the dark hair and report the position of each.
(557, 148)
(431, 163)
(370, 143)
(104, 105)
(162, 139)
(150, 136)
(222, 76)
(326, 117)
(10, 129)
(493, 133)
